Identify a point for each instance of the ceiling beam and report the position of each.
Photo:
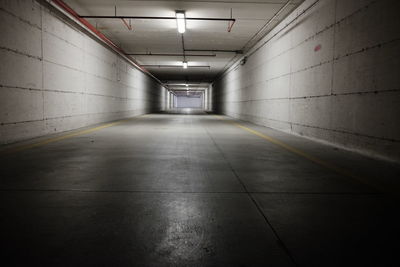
(215, 51)
(217, 2)
(179, 82)
(190, 89)
(173, 66)
(154, 18)
(169, 55)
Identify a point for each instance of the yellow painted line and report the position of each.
(303, 154)
(59, 138)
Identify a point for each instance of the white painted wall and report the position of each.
(55, 78)
(209, 99)
(346, 93)
(189, 102)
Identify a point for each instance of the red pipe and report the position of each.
(230, 25)
(126, 24)
(93, 29)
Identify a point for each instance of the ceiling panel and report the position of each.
(161, 36)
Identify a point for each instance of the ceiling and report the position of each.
(161, 36)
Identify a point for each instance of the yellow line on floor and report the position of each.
(303, 154)
(59, 138)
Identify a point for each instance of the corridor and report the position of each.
(187, 188)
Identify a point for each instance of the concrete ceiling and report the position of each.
(187, 88)
(161, 36)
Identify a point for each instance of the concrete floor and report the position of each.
(194, 190)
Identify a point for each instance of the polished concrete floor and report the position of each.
(194, 190)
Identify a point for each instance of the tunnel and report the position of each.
(199, 133)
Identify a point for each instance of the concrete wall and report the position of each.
(55, 78)
(209, 99)
(329, 71)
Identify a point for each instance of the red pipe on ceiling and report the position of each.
(93, 29)
(129, 26)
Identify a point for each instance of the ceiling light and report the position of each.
(184, 64)
(187, 85)
(181, 21)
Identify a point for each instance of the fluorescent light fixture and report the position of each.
(184, 64)
(181, 21)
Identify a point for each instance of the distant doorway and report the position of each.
(190, 101)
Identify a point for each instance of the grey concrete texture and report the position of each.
(329, 73)
(192, 189)
(55, 78)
